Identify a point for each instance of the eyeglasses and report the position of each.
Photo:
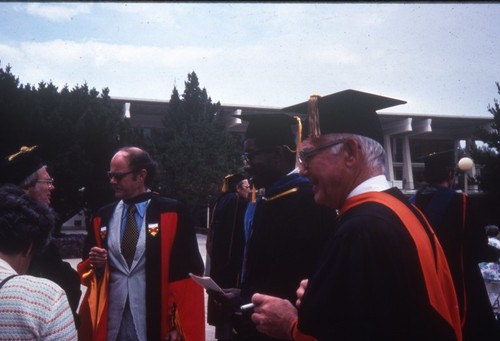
(305, 156)
(246, 157)
(118, 176)
(48, 182)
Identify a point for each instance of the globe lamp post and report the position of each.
(465, 164)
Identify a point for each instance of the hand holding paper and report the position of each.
(207, 283)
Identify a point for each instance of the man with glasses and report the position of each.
(383, 275)
(138, 257)
(26, 170)
(288, 228)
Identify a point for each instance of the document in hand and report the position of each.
(206, 282)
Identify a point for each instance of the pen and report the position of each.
(247, 307)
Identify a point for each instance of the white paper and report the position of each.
(206, 282)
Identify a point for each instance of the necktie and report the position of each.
(130, 236)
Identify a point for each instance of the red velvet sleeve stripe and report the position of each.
(464, 290)
(168, 223)
(184, 299)
(190, 309)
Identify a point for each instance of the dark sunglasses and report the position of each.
(118, 176)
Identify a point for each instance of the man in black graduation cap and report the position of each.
(383, 275)
(459, 226)
(26, 170)
(288, 228)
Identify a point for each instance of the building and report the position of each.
(407, 137)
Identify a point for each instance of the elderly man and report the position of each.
(26, 169)
(383, 275)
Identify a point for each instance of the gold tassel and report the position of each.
(254, 194)
(23, 149)
(299, 139)
(313, 116)
(225, 185)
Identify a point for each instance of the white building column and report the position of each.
(389, 162)
(407, 169)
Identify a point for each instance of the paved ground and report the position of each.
(210, 332)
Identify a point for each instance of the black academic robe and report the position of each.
(465, 244)
(369, 284)
(225, 243)
(170, 244)
(288, 234)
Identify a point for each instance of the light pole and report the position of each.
(465, 164)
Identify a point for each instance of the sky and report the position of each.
(442, 58)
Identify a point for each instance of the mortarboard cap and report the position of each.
(440, 160)
(348, 111)
(231, 181)
(438, 166)
(271, 130)
(17, 167)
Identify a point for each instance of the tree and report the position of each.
(194, 149)
(488, 156)
(77, 131)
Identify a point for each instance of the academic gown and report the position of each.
(172, 297)
(465, 244)
(288, 233)
(369, 284)
(225, 243)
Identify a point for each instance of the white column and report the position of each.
(389, 165)
(407, 169)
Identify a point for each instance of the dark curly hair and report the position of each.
(23, 222)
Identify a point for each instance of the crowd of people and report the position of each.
(308, 242)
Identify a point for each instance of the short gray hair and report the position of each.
(30, 180)
(373, 151)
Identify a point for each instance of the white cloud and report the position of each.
(440, 59)
(9, 53)
(57, 12)
(98, 54)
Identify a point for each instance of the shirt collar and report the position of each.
(141, 206)
(5, 267)
(376, 184)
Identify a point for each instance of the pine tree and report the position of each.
(194, 150)
(489, 156)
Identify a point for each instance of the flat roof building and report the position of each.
(408, 137)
